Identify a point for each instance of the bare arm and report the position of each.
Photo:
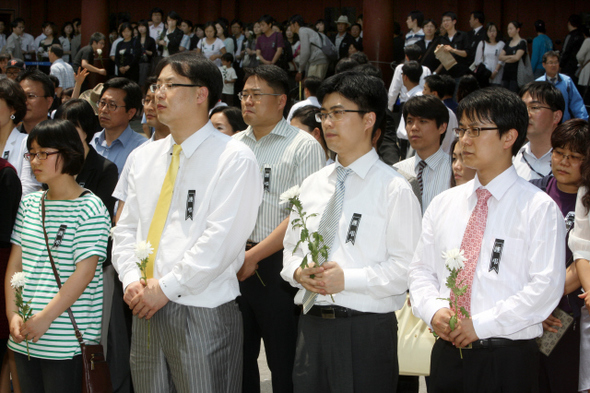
(15, 264)
(91, 68)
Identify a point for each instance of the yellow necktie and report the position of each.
(161, 213)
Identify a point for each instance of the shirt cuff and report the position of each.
(131, 277)
(582, 255)
(483, 324)
(170, 286)
(355, 280)
(431, 308)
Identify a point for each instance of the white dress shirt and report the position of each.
(397, 87)
(579, 241)
(199, 256)
(309, 101)
(375, 262)
(513, 302)
(287, 155)
(14, 149)
(449, 136)
(527, 164)
(436, 175)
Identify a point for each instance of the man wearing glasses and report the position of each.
(194, 196)
(369, 219)
(545, 105)
(120, 100)
(510, 238)
(286, 156)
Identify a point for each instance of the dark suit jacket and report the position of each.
(569, 63)
(100, 176)
(343, 48)
(428, 58)
(474, 40)
(175, 37)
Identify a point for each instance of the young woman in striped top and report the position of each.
(77, 225)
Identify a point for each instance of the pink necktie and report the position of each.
(471, 244)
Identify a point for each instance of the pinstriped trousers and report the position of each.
(192, 349)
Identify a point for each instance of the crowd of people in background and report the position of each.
(235, 114)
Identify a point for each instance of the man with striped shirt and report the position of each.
(286, 156)
(426, 119)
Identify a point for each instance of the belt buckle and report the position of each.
(328, 313)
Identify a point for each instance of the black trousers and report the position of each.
(346, 355)
(559, 372)
(512, 369)
(49, 376)
(268, 312)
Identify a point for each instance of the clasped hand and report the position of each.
(328, 278)
(145, 299)
(464, 333)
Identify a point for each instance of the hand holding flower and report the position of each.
(36, 326)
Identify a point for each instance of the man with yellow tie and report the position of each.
(194, 196)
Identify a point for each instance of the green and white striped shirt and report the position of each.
(286, 156)
(85, 224)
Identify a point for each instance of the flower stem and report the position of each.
(260, 278)
(28, 353)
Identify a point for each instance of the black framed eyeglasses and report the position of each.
(111, 105)
(472, 132)
(42, 155)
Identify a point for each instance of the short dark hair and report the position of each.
(233, 115)
(546, 93)
(124, 26)
(67, 92)
(436, 84)
(479, 15)
(360, 58)
(33, 74)
(417, 16)
(449, 83)
(540, 26)
(498, 35)
(369, 69)
(357, 44)
(239, 22)
(54, 80)
(397, 29)
(97, 37)
(80, 113)
(188, 23)
(269, 20)
(60, 135)
(413, 52)
(367, 92)
(200, 70)
(427, 21)
(297, 19)
(306, 116)
(467, 85)
(575, 20)
(156, 10)
(227, 57)
(312, 83)
(15, 22)
(451, 15)
(413, 70)
(273, 75)
(57, 50)
(175, 16)
(345, 64)
(427, 107)
(573, 134)
(498, 106)
(551, 53)
(14, 96)
(132, 91)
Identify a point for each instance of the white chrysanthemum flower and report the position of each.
(18, 280)
(112, 232)
(143, 249)
(99, 52)
(287, 195)
(454, 259)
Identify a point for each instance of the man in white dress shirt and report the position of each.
(512, 234)
(545, 105)
(311, 85)
(350, 344)
(193, 342)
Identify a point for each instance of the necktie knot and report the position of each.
(482, 196)
(342, 173)
(176, 149)
(421, 165)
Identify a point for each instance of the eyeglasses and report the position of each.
(552, 63)
(256, 97)
(574, 160)
(147, 101)
(165, 86)
(335, 115)
(472, 132)
(12, 72)
(31, 96)
(536, 108)
(42, 155)
(111, 105)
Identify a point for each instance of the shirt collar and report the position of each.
(438, 158)
(499, 185)
(192, 143)
(477, 29)
(416, 91)
(362, 165)
(282, 129)
(60, 60)
(124, 138)
(526, 149)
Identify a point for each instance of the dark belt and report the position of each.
(491, 343)
(250, 244)
(333, 312)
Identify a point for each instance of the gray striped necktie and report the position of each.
(329, 225)
(421, 166)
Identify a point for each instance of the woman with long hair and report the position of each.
(75, 224)
(67, 34)
(128, 53)
(511, 55)
(488, 52)
(148, 48)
